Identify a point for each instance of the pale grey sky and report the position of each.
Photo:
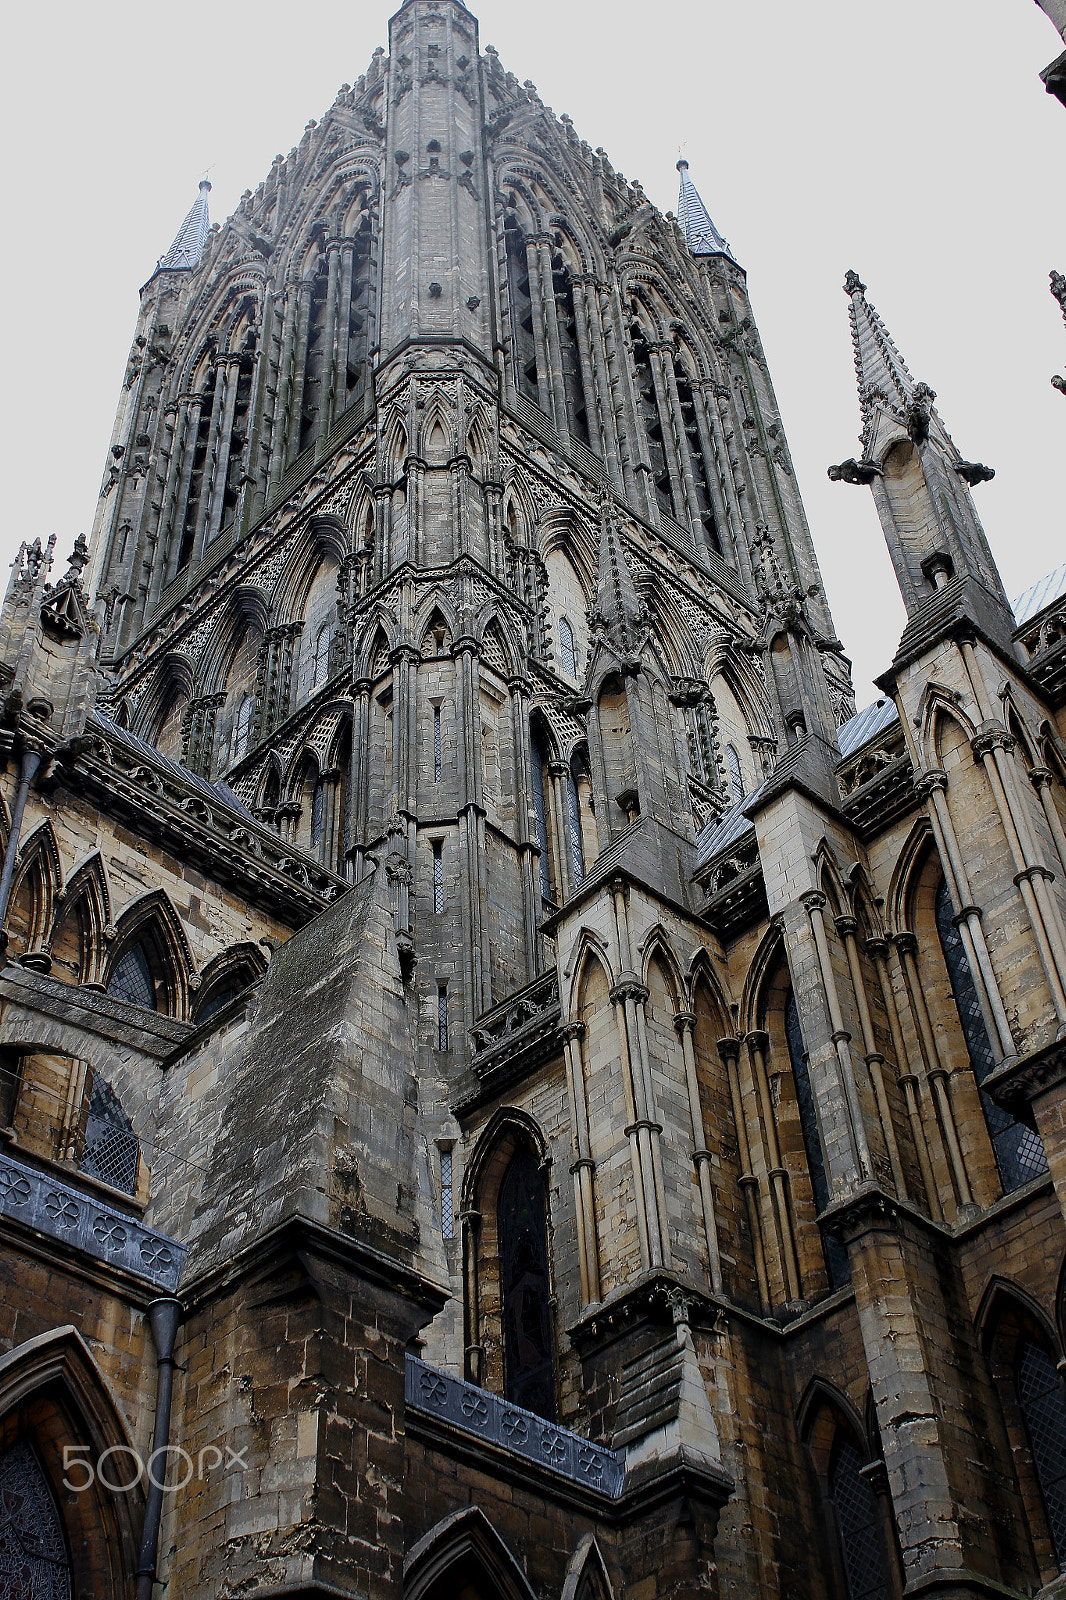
(914, 143)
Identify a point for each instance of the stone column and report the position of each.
(684, 1024)
(878, 950)
(519, 692)
(930, 786)
(1042, 780)
(584, 1166)
(815, 905)
(781, 1199)
(729, 1050)
(848, 927)
(907, 946)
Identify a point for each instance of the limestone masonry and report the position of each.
(510, 1085)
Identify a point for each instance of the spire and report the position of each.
(701, 235)
(189, 242)
(882, 373)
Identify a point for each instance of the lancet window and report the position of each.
(1018, 1150)
(314, 361)
(538, 762)
(31, 1531)
(525, 1290)
(242, 727)
(857, 1524)
(198, 445)
(569, 349)
(1043, 1407)
(567, 648)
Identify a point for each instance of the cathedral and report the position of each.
(512, 1087)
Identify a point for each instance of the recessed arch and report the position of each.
(464, 1548)
(76, 939)
(150, 923)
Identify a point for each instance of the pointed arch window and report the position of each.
(567, 648)
(33, 1549)
(1044, 1409)
(111, 1148)
(836, 1258)
(242, 727)
(1019, 1153)
(132, 980)
(701, 468)
(520, 307)
(525, 1291)
(857, 1524)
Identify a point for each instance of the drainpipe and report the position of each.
(31, 760)
(165, 1316)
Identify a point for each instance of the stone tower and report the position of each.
(509, 1080)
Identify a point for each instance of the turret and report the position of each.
(921, 483)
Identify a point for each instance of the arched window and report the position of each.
(857, 1524)
(111, 1148)
(1044, 1409)
(701, 471)
(132, 980)
(520, 308)
(736, 776)
(320, 660)
(567, 652)
(540, 811)
(242, 727)
(33, 1551)
(836, 1258)
(1018, 1150)
(525, 1291)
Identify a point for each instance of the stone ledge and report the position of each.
(44, 1204)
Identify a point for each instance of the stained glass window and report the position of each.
(131, 979)
(1044, 1408)
(438, 876)
(524, 1287)
(1018, 1150)
(111, 1147)
(860, 1540)
(33, 1552)
(321, 656)
(242, 727)
(836, 1257)
(447, 1210)
(736, 776)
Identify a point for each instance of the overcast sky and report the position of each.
(914, 143)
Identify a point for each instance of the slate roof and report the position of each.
(1049, 589)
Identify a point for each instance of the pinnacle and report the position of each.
(881, 371)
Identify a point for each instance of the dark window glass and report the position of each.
(567, 650)
(242, 727)
(1018, 1150)
(442, 1017)
(1044, 1408)
(856, 1509)
(33, 1552)
(220, 998)
(131, 979)
(524, 1289)
(836, 1257)
(111, 1147)
(437, 750)
(316, 815)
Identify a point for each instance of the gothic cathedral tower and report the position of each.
(559, 1099)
